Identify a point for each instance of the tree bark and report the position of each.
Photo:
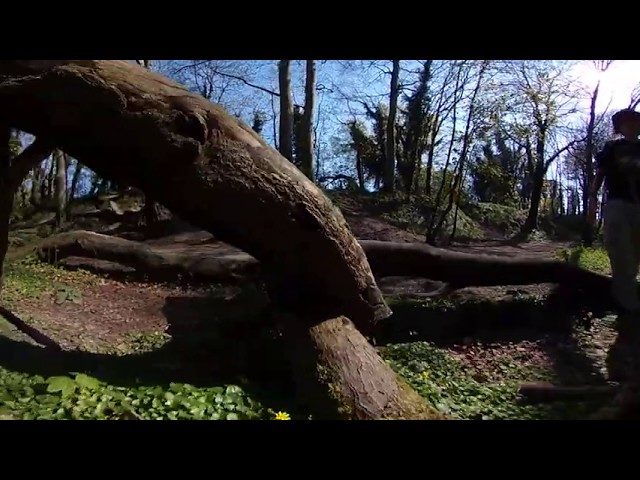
(286, 110)
(390, 144)
(219, 175)
(587, 227)
(306, 152)
(531, 222)
(61, 186)
(74, 182)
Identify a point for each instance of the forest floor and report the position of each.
(136, 349)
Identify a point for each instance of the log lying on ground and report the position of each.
(465, 270)
(154, 262)
(456, 269)
(535, 393)
(138, 128)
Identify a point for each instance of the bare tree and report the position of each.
(538, 97)
(587, 231)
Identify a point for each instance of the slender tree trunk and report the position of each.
(74, 181)
(60, 186)
(36, 189)
(587, 229)
(307, 151)
(286, 110)
(388, 185)
(457, 183)
(51, 182)
(360, 171)
(531, 223)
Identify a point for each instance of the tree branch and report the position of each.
(551, 159)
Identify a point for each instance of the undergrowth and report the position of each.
(455, 390)
(591, 258)
(80, 396)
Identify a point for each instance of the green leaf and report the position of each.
(86, 381)
(64, 385)
(61, 297)
(232, 416)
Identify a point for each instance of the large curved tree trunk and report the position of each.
(131, 125)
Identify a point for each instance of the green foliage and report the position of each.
(413, 213)
(506, 219)
(491, 183)
(594, 259)
(66, 293)
(81, 397)
(453, 387)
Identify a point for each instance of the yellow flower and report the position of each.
(424, 375)
(282, 416)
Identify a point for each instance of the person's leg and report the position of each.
(621, 238)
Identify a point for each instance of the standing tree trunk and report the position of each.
(74, 182)
(307, 151)
(390, 145)
(59, 158)
(587, 228)
(286, 110)
(36, 185)
(221, 176)
(51, 182)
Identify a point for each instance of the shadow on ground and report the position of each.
(213, 341)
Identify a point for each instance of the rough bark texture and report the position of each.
(129, 124)
(306, 152)
(361, 385)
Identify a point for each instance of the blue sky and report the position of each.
(617, 84)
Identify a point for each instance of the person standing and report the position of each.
(618, 166)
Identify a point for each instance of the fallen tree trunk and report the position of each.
(456, 269)
(214, 265)
(465, 270)
(535, 393)
(138, 128)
